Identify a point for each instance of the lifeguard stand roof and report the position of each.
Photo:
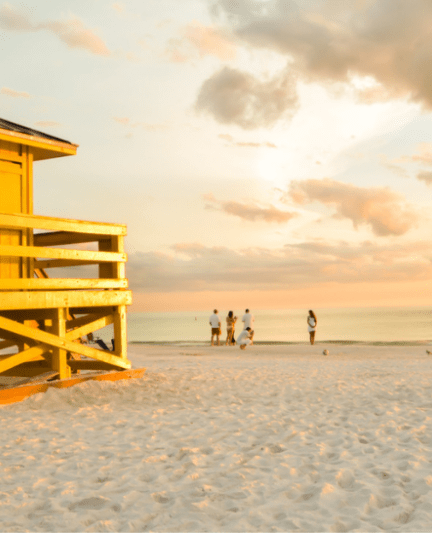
(43, 146)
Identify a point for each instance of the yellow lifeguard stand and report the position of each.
(43, 319)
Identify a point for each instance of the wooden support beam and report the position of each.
(59, 238)
(90, 327)
(120, 332)
(61, 283)
(61, 253)
(59, 361)
(56, 342)
(30, 354)
(21, 221)
(52, 299)
(41, 264)
(73, 322)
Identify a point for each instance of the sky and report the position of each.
(263, 153)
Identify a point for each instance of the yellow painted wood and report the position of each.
(61, 283)
(40, 148)
(90, 327)
(59, 238)
(59, 263)
(74, 322)
(54, 341)
(61, 253)
(11, 300)
(59, 353)
(120, 332)
(20, 221)
(11, 200)
(16, 394)
(22, 357)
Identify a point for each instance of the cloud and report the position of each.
(47, 124)
(235, 97)
(195, 267)
(250, 211)
(75, 35)
(332, 41)
(385, 211)
(199, 40)
(230, 140)
(126, 121)
(422, 157)
(210, 41)
(11, 19)
(393, 167)
(72, 32)
(14, 94)
(426, 177)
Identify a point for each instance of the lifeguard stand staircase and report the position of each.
(43, 320)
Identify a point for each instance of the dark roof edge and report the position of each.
(17, 128)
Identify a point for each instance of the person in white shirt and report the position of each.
(215, 324)
(248, 321)
(312, 323)
(244, 338)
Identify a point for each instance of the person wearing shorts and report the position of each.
(215, 324)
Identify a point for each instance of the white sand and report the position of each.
(215, 439)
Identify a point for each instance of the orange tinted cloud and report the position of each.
(14, 94)
(72, 32)
(195, 267)
(243, 144)
(250, 211)
(385, 211)
(209, 41)
(199, 40)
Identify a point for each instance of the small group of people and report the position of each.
(246, 336)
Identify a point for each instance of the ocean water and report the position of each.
(368, 325)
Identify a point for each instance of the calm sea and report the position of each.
(370, 325)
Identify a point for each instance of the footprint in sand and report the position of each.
(160, 497)
(90, 504)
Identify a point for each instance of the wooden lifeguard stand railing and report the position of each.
(44, 319)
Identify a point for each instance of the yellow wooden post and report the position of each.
(59, 355)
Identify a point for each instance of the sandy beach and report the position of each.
(276, 438)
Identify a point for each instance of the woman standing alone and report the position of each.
(312, 323)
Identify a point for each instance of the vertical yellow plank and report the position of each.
(120, 324)
(59, 355)
(120, 332)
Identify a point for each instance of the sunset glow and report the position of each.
(262, 153)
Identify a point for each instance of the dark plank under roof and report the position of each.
(11, 126)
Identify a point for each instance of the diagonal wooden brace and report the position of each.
(58, 342)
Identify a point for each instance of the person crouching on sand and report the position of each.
(230, 320)
(312, 323)
(215, 324)
(244, 338)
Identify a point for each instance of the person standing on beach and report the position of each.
(248, 321)
(312, 323)
(215, 324)
(230, 320)
(245, 338)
